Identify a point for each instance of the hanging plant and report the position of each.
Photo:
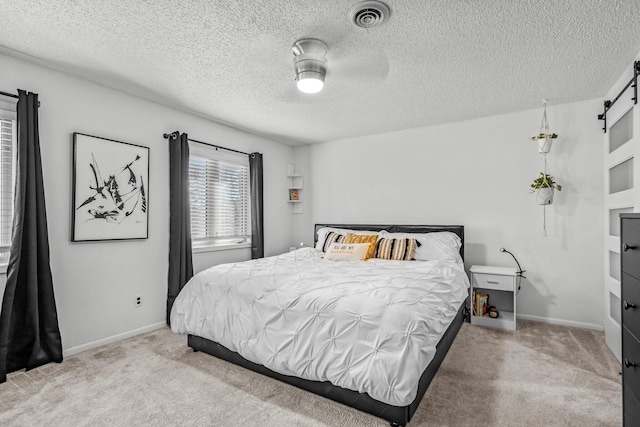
(544, 141)
(544, 187)
(544, 135)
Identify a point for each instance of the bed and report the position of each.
(368, 334)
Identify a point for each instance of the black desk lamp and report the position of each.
(520, 270)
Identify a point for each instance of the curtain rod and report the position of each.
(174, 135)
(13, 95)
(8, 94)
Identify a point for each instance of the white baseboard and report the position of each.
(561, 322)
(108, 340)
(118, 337)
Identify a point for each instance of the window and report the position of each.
(219, 195)
(8, 128)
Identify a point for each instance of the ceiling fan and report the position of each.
(310, 55)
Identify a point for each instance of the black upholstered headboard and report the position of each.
(457, 229)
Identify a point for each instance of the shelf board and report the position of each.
(505, 321)
(296, 188)
(294, 201)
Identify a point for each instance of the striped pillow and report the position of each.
(332, 237)
(396, 249)
(364, 238)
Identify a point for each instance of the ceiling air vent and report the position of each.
(369, 14)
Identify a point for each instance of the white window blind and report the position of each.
(219, 196)
(7, 174)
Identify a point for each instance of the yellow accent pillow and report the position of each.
(364, 238)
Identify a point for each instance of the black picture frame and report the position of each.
(110, 190)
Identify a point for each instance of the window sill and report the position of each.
(214, 248)
(3, 267)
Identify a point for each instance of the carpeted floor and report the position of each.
(541, 375)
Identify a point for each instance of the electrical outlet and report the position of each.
(137, 301)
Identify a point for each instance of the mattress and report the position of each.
(368, 326)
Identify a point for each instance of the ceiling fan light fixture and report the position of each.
(310, 82)
(310, 64)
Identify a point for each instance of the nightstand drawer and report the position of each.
(630, 360)
(493, 281)
(631, 304)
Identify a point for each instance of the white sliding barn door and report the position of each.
(621, 195)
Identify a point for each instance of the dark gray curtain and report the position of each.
(29, 333)
(180, 262)
(257, 206)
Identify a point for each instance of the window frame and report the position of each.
(210, 152)
(8, 112)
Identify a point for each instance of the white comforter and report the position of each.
(370, 326)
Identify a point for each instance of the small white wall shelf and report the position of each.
(296, 187)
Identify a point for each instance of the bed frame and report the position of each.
(396, 415)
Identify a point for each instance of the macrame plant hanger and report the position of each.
(544, 128)
(544, 148)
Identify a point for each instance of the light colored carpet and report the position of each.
(541, 375)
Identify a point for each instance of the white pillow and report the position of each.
(322, 234)
(441, 245)
(347, 251)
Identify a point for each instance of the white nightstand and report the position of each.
(500, 284)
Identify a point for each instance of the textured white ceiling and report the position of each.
(433, 61)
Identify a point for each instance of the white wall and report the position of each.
(95, 283)
(474, 173)
(477, 173)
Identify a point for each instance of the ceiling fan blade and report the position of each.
(370, 67)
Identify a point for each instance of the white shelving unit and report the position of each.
(500, 284)
(296, 185)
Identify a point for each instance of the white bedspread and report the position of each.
(370, 326)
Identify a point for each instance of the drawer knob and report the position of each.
(628, 364)
(628, 305)
(626, 247)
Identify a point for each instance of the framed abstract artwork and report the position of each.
(110, 190)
